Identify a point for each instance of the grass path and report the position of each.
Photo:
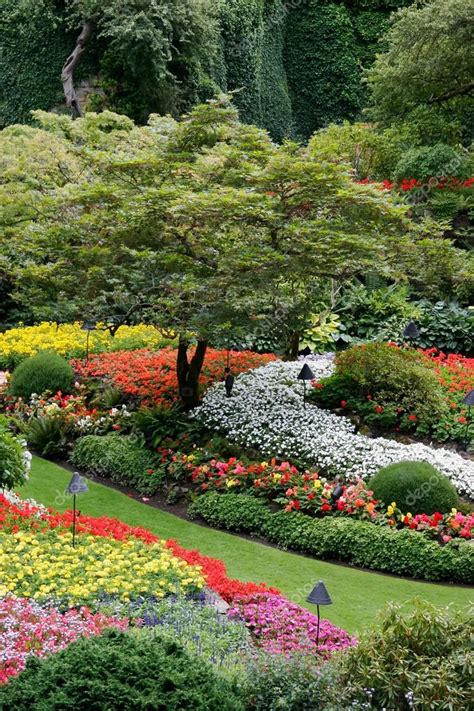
(357, 595)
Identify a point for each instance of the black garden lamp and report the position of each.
(228, 382)
(469, 401)
(77, 485)
(88, 326)
(228, 377)
(337, 493)
(319, 596)
(411, 331)
(305, 375)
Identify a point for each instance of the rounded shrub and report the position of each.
(133, 672)
(416, 487)
(44, 371)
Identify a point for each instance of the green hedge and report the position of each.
(356, 542)
(122, 459)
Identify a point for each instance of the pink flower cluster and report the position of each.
(27, 629)
(283, 627)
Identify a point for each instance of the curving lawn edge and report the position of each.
(357, 595)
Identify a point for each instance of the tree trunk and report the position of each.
(294, 345)
(67, 73)
(188, 372)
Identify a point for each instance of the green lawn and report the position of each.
(356, 595)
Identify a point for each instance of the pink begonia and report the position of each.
(27, 629)
(283, 627)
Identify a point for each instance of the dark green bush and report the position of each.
(47, 435)
(122, 459)
(167, 426)
(42, 372)
(414, 486)
(419, 659)
(119, 671)
(356, 542)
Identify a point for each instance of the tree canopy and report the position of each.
(195, 225)
(427, 73)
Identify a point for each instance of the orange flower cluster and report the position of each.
(150, 376)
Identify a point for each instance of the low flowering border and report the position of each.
(243, 594)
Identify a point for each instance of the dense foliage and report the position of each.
(128, 671)
(14, 460)
(410, 660)
(121, 459)
(410, 82)
(268, 51)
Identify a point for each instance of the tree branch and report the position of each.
(459, 91)
(67, 73)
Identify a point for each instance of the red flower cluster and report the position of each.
(151, 375)
(408, 184)
(216, 574)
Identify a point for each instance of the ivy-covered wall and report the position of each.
(253, 36)
(295, 64)
(33, 48)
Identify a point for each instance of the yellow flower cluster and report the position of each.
(46, 565)
(69, 340)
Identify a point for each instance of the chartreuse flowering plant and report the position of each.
(69, 340)
(45, 566)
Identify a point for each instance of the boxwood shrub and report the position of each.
(46, 371)
(415, 486)
(358, 543)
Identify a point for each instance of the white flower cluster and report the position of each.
(266, 411)
(19, 501)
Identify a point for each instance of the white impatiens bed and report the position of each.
(266, 411)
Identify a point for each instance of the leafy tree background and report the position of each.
(295, 65)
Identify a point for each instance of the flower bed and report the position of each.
(266, 411)
(69, 340)
(17, 514)
(26, 630)
(308, 492)
(437, 411)
(121, 564)
(46, 566)
(151, 376)
(282, 627)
